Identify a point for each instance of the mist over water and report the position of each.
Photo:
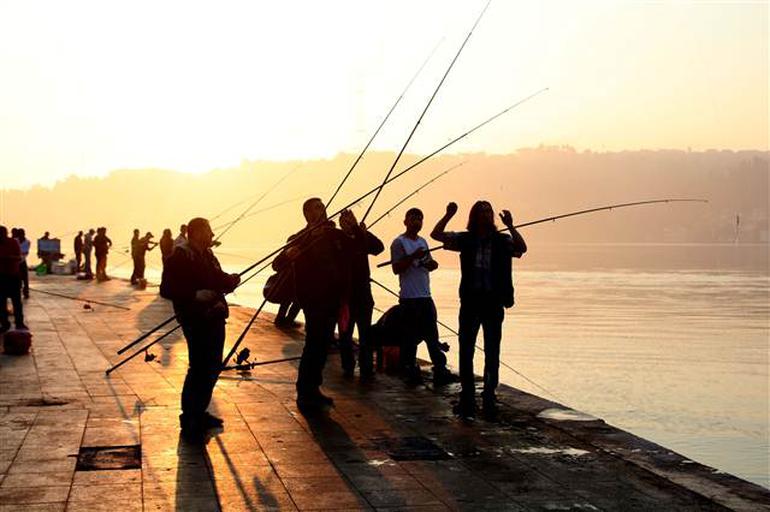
(669, 342)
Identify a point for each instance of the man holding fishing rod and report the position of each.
(195, 282)
(486, 288)
(321, 260)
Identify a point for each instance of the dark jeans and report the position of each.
(360, 315)
(139, 267)
(24, 271)
(10, 288)
(205, 344)
(87, 263)
(478, 312)
(319, 333)
(420, 324)
(287, 312)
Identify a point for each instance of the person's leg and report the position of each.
(280, 317)
(294, 310)
(215, 348)
(140, 269)
(135, 270)
(319, 330)
(346, 346)
(4, 296)
(410, 337)
(18, 307)
(429, 332)
(469, 329)
(24, 269)
(492, 321)
(87, 269)
(205, 344)
(365, 353)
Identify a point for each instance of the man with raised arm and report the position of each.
(486, 289)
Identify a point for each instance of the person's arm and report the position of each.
(518, 245)
(400, 259)
(374, 245)
(439, 230)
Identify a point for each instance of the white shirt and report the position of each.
(415, 280)
(180, 240)
(24, 249)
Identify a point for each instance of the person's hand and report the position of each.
(451, 209)
(347, 219)
(418, 254)
(206, 295)
(507, 218)
(236, 279)
(292, 252)
(363, 226)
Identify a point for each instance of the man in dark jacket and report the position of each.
(195, 282)
(361, 303)
(10, 281)
(320, 258)
(77, 246)
(486, 288)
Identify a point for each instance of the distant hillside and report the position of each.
(533, 183)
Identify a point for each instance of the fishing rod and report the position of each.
(425, 110)
(439, 322)
(88, 301)
(144, 349)
(579, 212)
(412, 194)
(366, 147)
(361, 198)
(255, 203)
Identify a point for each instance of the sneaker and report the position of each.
(490, 409)
(316, 400)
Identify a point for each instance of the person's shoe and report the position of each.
(316, 400)
(444, 377)
(490, 409)
(194, 435)
(465, 410)
(211, 421)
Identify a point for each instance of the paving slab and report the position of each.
(383, 446)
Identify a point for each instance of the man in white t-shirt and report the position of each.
(412, 262)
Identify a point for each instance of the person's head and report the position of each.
(199, 233)
(3, 232)
(46, 234)
(413, 220)
(80, 233)
(22, 234)
(148, 235)
(91, 231)
(481, 218)
(136, 233)
(183, 230)
(166, 233)
(314, 210)
(14, 233)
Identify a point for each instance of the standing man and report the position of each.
(102, 245)
(77, 244)
(166, 246)
(134, 253)
(486, 288)
(182, 238)
(321, 262)
(24, 244)
(145, 244)
(195, 282)
(412, 263)
(88, 245)
(361, 303)
(10, 281)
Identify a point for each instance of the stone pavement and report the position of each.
(382, 447)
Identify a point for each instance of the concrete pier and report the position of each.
(72, 438)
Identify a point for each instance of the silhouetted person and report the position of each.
(44, 252)
(77, 245)
(166, 245)
(486, 288)
(181, 239)
(134, 252)
(321, 262)
(195, 282)
(412, 262)
(10, 281)
(24, 245)
(88, 245)
(145, 244)
(102, 245)
(361, 303)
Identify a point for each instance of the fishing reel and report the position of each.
(242, 363)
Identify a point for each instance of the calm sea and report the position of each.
(669, 342)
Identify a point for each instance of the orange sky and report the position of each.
(90, 87)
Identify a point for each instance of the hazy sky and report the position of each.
(88, 87)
